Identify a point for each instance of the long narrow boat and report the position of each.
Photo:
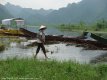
(98, 38)
(61, 38)
(28, 33)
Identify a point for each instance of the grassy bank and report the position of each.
(99, 26)
(82, 29)
(12, 31)
(14, 69)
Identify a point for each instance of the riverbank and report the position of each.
(81, 31)
(32, 69)
(11, 32)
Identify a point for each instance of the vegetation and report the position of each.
(10, 31)
(100, 25)
(2, 47)
(50, 70)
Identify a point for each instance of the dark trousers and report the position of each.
(40, 45)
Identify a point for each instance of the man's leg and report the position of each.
(43, 49)
(37, 50)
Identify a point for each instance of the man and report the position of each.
(41, 41)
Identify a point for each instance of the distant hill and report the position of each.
(4, 13)
(31, 16)
(87, 11)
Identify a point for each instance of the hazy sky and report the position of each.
(37, 4)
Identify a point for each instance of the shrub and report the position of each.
(2, 47)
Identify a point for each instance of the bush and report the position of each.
(2, 47)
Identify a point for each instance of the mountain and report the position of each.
(4, 13)
(87, 11)
(31, 16)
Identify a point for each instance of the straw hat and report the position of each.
(42, 27)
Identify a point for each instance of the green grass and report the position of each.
(50, 70)
(99, 27)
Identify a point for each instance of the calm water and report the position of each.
(54, 31)
(58, 52)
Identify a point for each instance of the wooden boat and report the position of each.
(70, 39)
(28, 33)
(98, 38)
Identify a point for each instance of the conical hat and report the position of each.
(42, 27)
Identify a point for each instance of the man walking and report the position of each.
(41, 41)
